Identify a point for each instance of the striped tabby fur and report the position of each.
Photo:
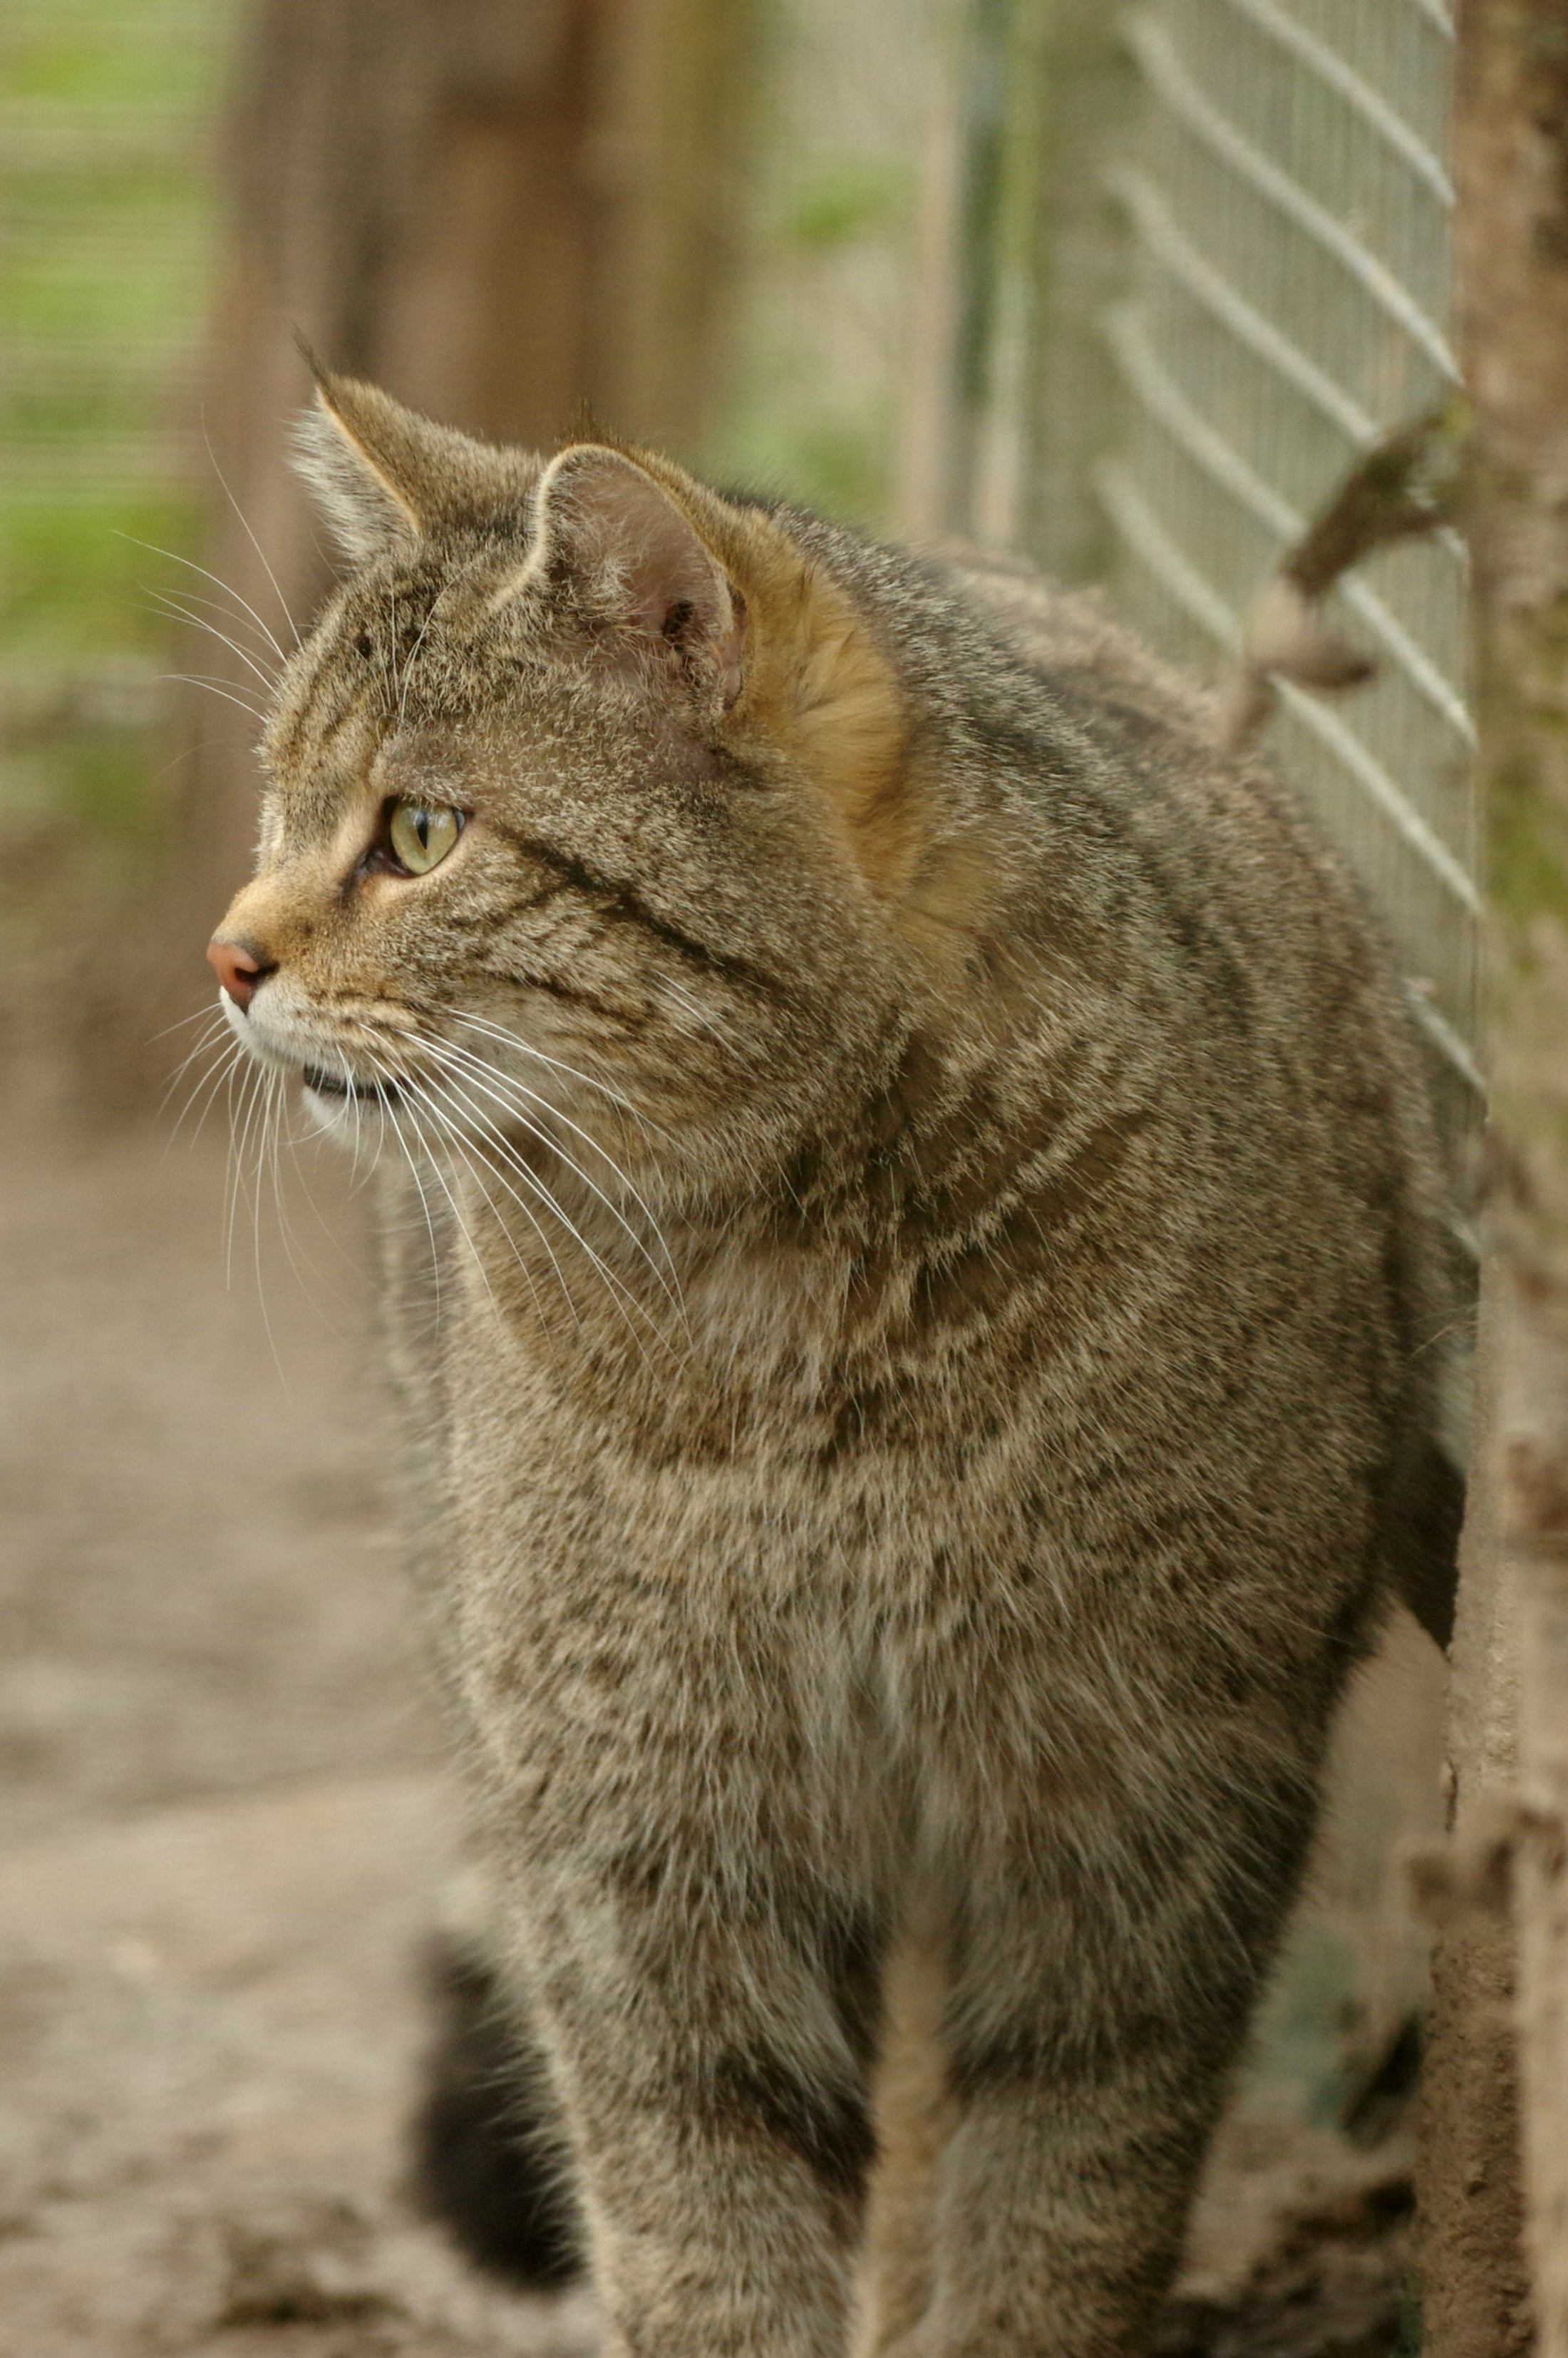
(913, 1260)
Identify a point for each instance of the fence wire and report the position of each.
(1289, 208)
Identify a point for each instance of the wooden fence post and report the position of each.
(1473, 2295)
(1511, 237)
(501, 210)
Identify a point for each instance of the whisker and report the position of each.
(476, 1171)
(512, 1089)
(197, 679)
(436, 1306)
(216, 1034)
(190, 599)
(312, 1277)
(444, 592)
(453, 1143)
(514, 1040)
(195, 1017)
(251, 1098)
(170, 608)
(204, 1086)
(203, 1092)
(425, 1206)
(708, 1022)
(240, 1083)
(389, 1121)
(217, 1025)
(175, 558)
(409, 666)
(250, 535)
(359, 1139)
(273, 1082)
(511, 1081)
(494, 1083)
(414, 654)
(225, 1075)
(620, 1293)
(392, 601)
(390, 1117)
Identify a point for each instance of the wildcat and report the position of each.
(912, 1260)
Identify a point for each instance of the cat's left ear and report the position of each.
(615, 544)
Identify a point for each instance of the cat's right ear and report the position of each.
(359, 451)
(386, 479)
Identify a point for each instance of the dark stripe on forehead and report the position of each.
(322, 714)
(622, 900)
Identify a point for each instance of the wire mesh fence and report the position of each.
(1289, 208)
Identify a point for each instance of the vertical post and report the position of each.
(1511, 158)
(501, 210)
(1474, 2293)
(405, 191)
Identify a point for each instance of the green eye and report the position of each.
(420, 835)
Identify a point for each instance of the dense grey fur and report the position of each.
(948, 1529)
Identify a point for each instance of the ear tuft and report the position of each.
(385, 478)
(612, 539)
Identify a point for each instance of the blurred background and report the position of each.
(1127, 292)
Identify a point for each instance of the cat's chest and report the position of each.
(771, 1474)
(751, 1352)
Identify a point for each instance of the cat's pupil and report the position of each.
(422, 829)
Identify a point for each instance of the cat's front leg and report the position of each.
(704, 2045)
(1103, 1977)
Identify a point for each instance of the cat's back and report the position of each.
(1217, 825)
(1072, 640)
(1204, 864)
(1246, 978)
(1225, 973)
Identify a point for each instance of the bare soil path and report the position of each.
(223, 1820)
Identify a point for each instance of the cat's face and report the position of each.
(587, 805)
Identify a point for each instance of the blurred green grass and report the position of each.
(110, 210)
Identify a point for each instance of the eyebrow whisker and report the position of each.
(175, 558)
(199, 679)
(174, 612)
(255, 544)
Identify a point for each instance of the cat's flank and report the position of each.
(914, 1269)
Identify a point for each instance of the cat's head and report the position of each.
(588, 786)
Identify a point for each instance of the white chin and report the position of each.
(348, 1120)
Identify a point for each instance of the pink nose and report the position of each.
(238, 967)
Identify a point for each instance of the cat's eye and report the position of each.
(420, 835)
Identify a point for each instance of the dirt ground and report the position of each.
(226, 1818)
